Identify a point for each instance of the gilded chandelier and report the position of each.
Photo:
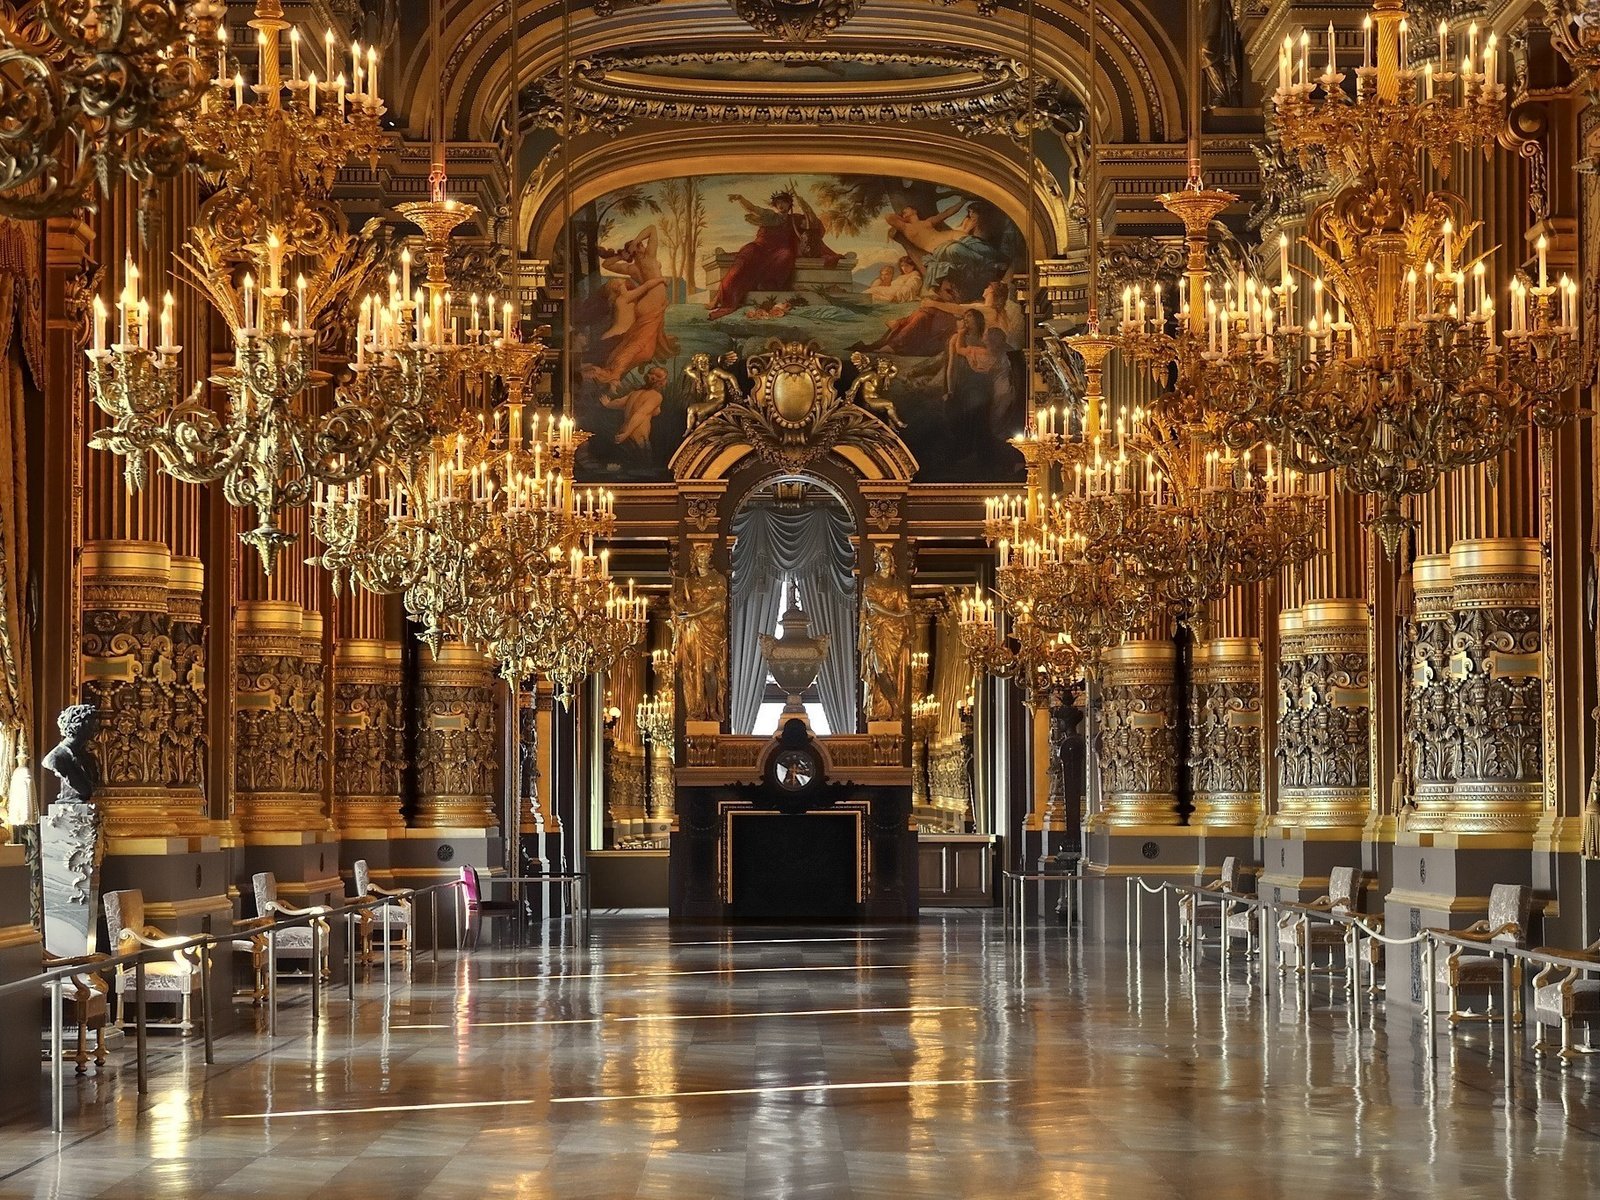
(1392, 370)
(1165, 493)
(89, 92)
(273, 257)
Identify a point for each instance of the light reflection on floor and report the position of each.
(789, 1065)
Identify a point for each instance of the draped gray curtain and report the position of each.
(811, 545)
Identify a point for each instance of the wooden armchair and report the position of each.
(84, 1005)
(1563, 997)
(295, 943)
(166, 982)
(251, 943)
(1299, 937)
(1196, 914)
(387, 919)
(1510, 906)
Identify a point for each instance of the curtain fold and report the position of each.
(812, 545)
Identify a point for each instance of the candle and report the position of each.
(99, 323)
(274, 259)
(238, 89)
(300, 301)
(1544, 262)
(405, 271)
(249, 299)
(1444, 45)
(311, 93)
(167, 303)
(1427, 76)
(144, 324)
(372, 74)
(1490, 53)
(294, 53)
(1411, 295)
(1366, 41)
(327, 52)
(355, 67)
(339, 83)
(1305, 55)
(1332, 68)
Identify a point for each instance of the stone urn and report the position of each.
(795, 658)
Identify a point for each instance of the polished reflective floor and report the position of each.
(937, 1061)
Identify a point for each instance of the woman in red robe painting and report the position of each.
(766, 262)
(638, 297)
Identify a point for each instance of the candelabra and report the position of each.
(271, 150)
(91, 92)
(1041, 661)
(653, 716)
(1392, 372)
(1575, 29)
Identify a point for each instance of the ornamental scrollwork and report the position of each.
(1136, 739)
(1225, 747)
(1335, 720)
(458, 745)
(1498, 694)
(131, 679)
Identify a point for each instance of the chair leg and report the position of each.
(184, 1021)
(83, 1048)
(100, 1046)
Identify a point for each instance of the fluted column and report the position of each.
(458, 743)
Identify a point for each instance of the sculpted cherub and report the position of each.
(871, 388)
(713, 385)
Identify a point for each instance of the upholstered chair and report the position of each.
(165, 981)
(1196, 914)
(294, 945)
(1563, 998)
(1510, 905)
(84, 1005)
(1299, 937)
(390, 922)
(479, 907)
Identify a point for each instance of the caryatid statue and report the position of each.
(700, 636)
(885, 637)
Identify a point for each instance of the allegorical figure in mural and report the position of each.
(640, 408)
(885, 637)
(72, 761)
(788, 229)
(637, 331)
(968, 255)
(700, 636)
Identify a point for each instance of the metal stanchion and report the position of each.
(58, 1085)
(433, 917)
(1505, 996)
(139, 1025)
(1127, 914)
(316, 971)
(272, 981)
(388, 967)
(1427, 993)
(205, 1002)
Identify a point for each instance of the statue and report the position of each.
(713, 385)
(871, 388)
(1221, 54)
(72, 761)
(700, 636)
(885, 637)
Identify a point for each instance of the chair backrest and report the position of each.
(363, 877)
(1510, 904)
(265, 886)
(124, 910)
(1342, 888)
(469, 885)
(1230, 874)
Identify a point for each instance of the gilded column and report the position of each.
(1136, 734)
(367, 722)
(458, 744)
(1225, 717)
(274, 719)
(1290, 751)
(1431, 753)
(1495, 666)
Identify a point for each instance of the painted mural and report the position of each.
(902, 279)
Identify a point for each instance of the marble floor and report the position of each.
(936, 1061)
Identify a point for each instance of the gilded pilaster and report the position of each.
(458, 744)
(1225, 732)
(367, 725)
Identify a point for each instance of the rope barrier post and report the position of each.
(139, 1025)
(316, 970)
(205, 1001)
(272, 981)
(1505, 995)
(388, 966)
(1428, 999)
(1263, 930)
(1127, 915)
(58, 1084)
(433, 919)
(1138, 914)
(350, 942)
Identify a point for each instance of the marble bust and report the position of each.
(72, 761)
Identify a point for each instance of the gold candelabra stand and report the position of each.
(271, 149)
(91, 92)
(1008, 643)
(1396, 367)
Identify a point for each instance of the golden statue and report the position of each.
(885, 637)
(700, 636)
